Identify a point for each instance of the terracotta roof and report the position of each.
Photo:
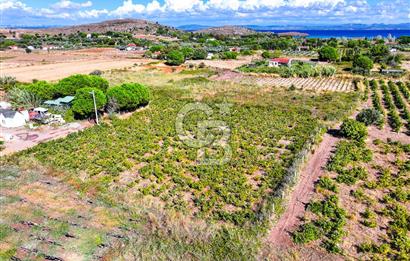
(281, 60)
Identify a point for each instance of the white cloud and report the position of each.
(13, 4)
(128, 7)
(92, 13)
(66, 4)
(154, 6)
(224, 4)
(352, 8)
(310, 3)
(184, 5)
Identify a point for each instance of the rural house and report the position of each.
(280, 61)
(13, 119)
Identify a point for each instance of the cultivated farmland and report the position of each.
(141, 159)
(315, 84)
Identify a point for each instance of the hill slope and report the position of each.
(227, 30)
(136, 26)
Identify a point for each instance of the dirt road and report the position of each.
(19, 139)
(279, 235)
(57, 71)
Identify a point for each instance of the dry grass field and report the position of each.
(54, 65)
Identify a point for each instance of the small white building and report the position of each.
(280, 61)
(13, 119)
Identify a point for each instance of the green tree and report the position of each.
(43, 89)
(362, 63)
(328, 53)
(129, 96)
(69, 85)
(83, 104)
(188, 52)
(175, 58)
(378, 52)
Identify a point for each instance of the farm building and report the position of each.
(60, 102)
(280, 61)
(13, 119)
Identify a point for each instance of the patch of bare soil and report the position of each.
(54, 65)
(224, 64)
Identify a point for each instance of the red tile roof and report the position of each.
(281, 60)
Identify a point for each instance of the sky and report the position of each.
(205, 12)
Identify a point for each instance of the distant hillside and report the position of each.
(227, 30)
(403, 26)
(136, 26)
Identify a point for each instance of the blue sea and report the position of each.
(348, 33)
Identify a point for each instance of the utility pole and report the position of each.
(95, 108)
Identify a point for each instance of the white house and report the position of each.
(280, 61)
(13, 119)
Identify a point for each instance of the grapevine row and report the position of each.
(400, 103)
(394, 118)
(404, 90)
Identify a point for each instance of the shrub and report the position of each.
(327, 183)
(23, 98)
(175, 58)
(353, 129)
(83, 104)
(129, 96)
(96, 72)
(7, 82)
(69, 85)
(199, 54)
(229, 55)
(369, 117)
(351, 176)
(42, 89)
(307, 233)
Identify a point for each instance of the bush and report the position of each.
(369, 117)
(70, 85)
(129, 96)
(175, 58)
(96, 72)
(199, 54)
(327, 183)
(20, 98)
(83, 104)
(307, 233)
(229, 55)
(42, 89)
(7, 83)
(353, 129)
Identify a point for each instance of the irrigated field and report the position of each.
(142, 158)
